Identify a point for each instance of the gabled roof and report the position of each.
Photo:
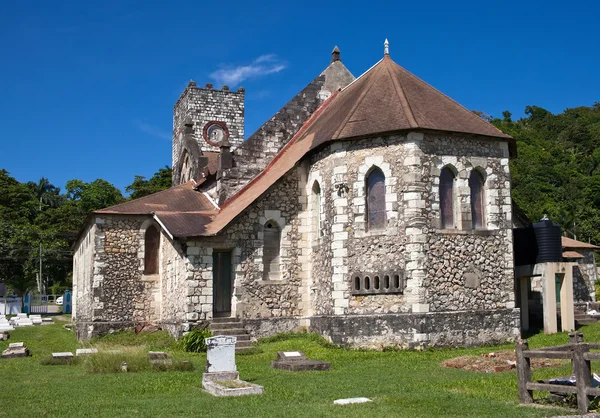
(385, 99)
(571, 243)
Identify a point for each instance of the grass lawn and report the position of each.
(400, 383)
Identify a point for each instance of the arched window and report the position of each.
(186, 169)
(447, 197)
(316, 212)
(477, 199)
(271, 248)
(151, 247)
(376, 216)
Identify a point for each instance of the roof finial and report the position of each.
(335, 54)
(386, 47)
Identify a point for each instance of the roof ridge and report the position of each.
(356, 105)
(449, 98)
(402, 95)
(360, 76)
(294, 139)
(143, 197)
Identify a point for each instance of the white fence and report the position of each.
(10, 306)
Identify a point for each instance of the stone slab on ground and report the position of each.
(349, 401)
(47, 321)
(65, 355)
(296, 361)
(159, 357)
(85, 351)
(231, 387)
(15, 350)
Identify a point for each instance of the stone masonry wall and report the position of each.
(253, 297)
(258, 150)
(173, 272)
(203, 105)
(584, 277)
(83, 269)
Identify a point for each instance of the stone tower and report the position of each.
(204, 120)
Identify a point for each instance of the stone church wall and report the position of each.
(83, 270)
(254, 298)
(584, 277)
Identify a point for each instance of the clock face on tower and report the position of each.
(215, 133)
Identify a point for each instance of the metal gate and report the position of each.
(38, 304)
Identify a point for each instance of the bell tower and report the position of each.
(204, 121)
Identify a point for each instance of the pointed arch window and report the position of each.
(316, 212)
(271, 250)
(186, 169)
(447, 197)
(151, 250)
(476, 185)
(376, 215)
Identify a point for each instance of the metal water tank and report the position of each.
(548, 237)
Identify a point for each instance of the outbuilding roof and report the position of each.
(571, 243)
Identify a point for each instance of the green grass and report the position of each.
(400, 383)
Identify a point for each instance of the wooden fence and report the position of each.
(577, 351)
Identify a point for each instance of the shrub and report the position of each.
(194, 341)
(597, 288)
(50, 361)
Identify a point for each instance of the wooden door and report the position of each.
(222, 284)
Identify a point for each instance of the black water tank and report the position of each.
(548, 237)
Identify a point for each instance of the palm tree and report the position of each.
(46, 192)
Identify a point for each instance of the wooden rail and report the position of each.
(579, 354)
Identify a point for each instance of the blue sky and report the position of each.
(87, 90)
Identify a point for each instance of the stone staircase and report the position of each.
(581, 317)
(233, 327)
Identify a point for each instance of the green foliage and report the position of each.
(141, 187)
(194, 341)
(157, 341)
(58, 289)
(51, 361)
(597, 289)
(557, 169)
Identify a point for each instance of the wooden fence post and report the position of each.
(583, 375)
(523, 371)
(574, 338)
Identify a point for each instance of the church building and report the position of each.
(375, 211)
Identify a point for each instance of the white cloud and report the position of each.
(152, 130)
(261, 66)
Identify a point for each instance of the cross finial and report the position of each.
(386, 47)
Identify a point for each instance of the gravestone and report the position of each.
(15, 350)
(85, 351)
(221, 377)
(63, 356)
(296, 361)
(159, 357)
(36, 319)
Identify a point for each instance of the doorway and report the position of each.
(222, 283)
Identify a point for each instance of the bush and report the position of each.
(597, 287)
(194, 341)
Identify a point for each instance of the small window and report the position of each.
(396, 281)
(151, 247)
(376, 283)
(357, 283)
(271, 248)
(367, 283)
(386, 281)
(477, 199)
(447, 197)
(376, 215)
(316, 212)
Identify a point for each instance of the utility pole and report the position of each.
(39, 281)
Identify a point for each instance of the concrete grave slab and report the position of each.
(159, 357)
(65, 355)
(85, 351)
(349, 401)
(15, 350)
(296, 361)
(221, 377)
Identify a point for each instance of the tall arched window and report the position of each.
(186, 169)
(376, 216)
(316, 212)
(151, 247)
(271, 248)
(447, 197)
(477, 199)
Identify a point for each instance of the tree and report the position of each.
(140, 187)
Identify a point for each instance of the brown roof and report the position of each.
(572, 254)
(186, 224)
(387, 98)
(571, 243)
(181, 198)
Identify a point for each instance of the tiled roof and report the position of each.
(181, 198)
(571, 243)
(572, 254)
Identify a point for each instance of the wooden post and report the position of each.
(523, 371)
(583, 374)
(574, 338)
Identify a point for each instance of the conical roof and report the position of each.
(388, 98)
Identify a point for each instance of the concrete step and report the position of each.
(224, 319)
(234, 331)
(226, 325)
(586, 321)
(243, 344)
(239, 337)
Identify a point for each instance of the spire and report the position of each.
(335, 54)
(386, 47)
